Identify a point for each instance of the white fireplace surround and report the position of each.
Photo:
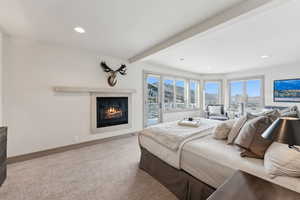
(102, 92)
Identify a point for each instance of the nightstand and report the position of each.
(248, 187)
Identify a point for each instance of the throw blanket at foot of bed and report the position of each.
(172, 136)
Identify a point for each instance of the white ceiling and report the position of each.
(240, 45)
(121, 28)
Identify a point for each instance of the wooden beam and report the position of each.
(219, 19)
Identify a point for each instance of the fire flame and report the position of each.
(112, 110)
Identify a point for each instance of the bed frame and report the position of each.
(183, 185)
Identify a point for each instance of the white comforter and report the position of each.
(150, 142)
(171, 135)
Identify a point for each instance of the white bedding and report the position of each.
(169, 156)
(172, 136)
(213, 161)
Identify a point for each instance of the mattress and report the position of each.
(213, 161)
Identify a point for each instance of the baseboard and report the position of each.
(24, 157)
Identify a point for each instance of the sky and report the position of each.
(253, 88)
(212, 87)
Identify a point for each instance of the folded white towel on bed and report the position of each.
(189, 123)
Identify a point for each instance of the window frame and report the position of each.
(244, 80)
(163, 92)
(186, 91)
(195, 105)
(220, 96)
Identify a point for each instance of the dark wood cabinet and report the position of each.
(3, 153)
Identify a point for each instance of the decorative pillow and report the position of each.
(290, 111)
(237, 127)
(282, 161)
(215, 110)
(250, 139)
(222, 130)
(272, 114)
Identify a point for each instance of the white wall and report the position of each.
(40, 119)
(287, 71)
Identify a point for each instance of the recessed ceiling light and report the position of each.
(79, 29)
(265, 56)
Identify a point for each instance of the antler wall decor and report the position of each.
(112, 74)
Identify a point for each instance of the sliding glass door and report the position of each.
(152, 98)
(165, 94)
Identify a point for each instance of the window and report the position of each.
(236, 94)
(253, 95)
(153, 99)
(169, 94)
(193, 94)
(212, 92)
(180, 94)
(248, 92)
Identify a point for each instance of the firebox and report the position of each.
(111, 111)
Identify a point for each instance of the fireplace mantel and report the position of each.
(101, 92)
(67, 89)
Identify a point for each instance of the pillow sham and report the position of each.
(250, 140)
(282, 161)
(222, 130)
(237, 127)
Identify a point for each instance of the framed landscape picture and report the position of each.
(287, 90)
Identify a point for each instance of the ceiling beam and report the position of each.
(210, 23)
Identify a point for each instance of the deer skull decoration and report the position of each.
(112, 74)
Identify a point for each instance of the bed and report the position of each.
(200, 165)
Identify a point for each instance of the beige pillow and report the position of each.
(282, 161)
(272, 114)
(222, 130)
(250, 139)
(237, 127)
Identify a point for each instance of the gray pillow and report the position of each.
(237, 127)
(271, 114)
(250, 139)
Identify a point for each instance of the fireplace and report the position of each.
(111, 111)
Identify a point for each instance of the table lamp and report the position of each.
(284, 130)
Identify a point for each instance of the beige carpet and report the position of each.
(107, 171)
